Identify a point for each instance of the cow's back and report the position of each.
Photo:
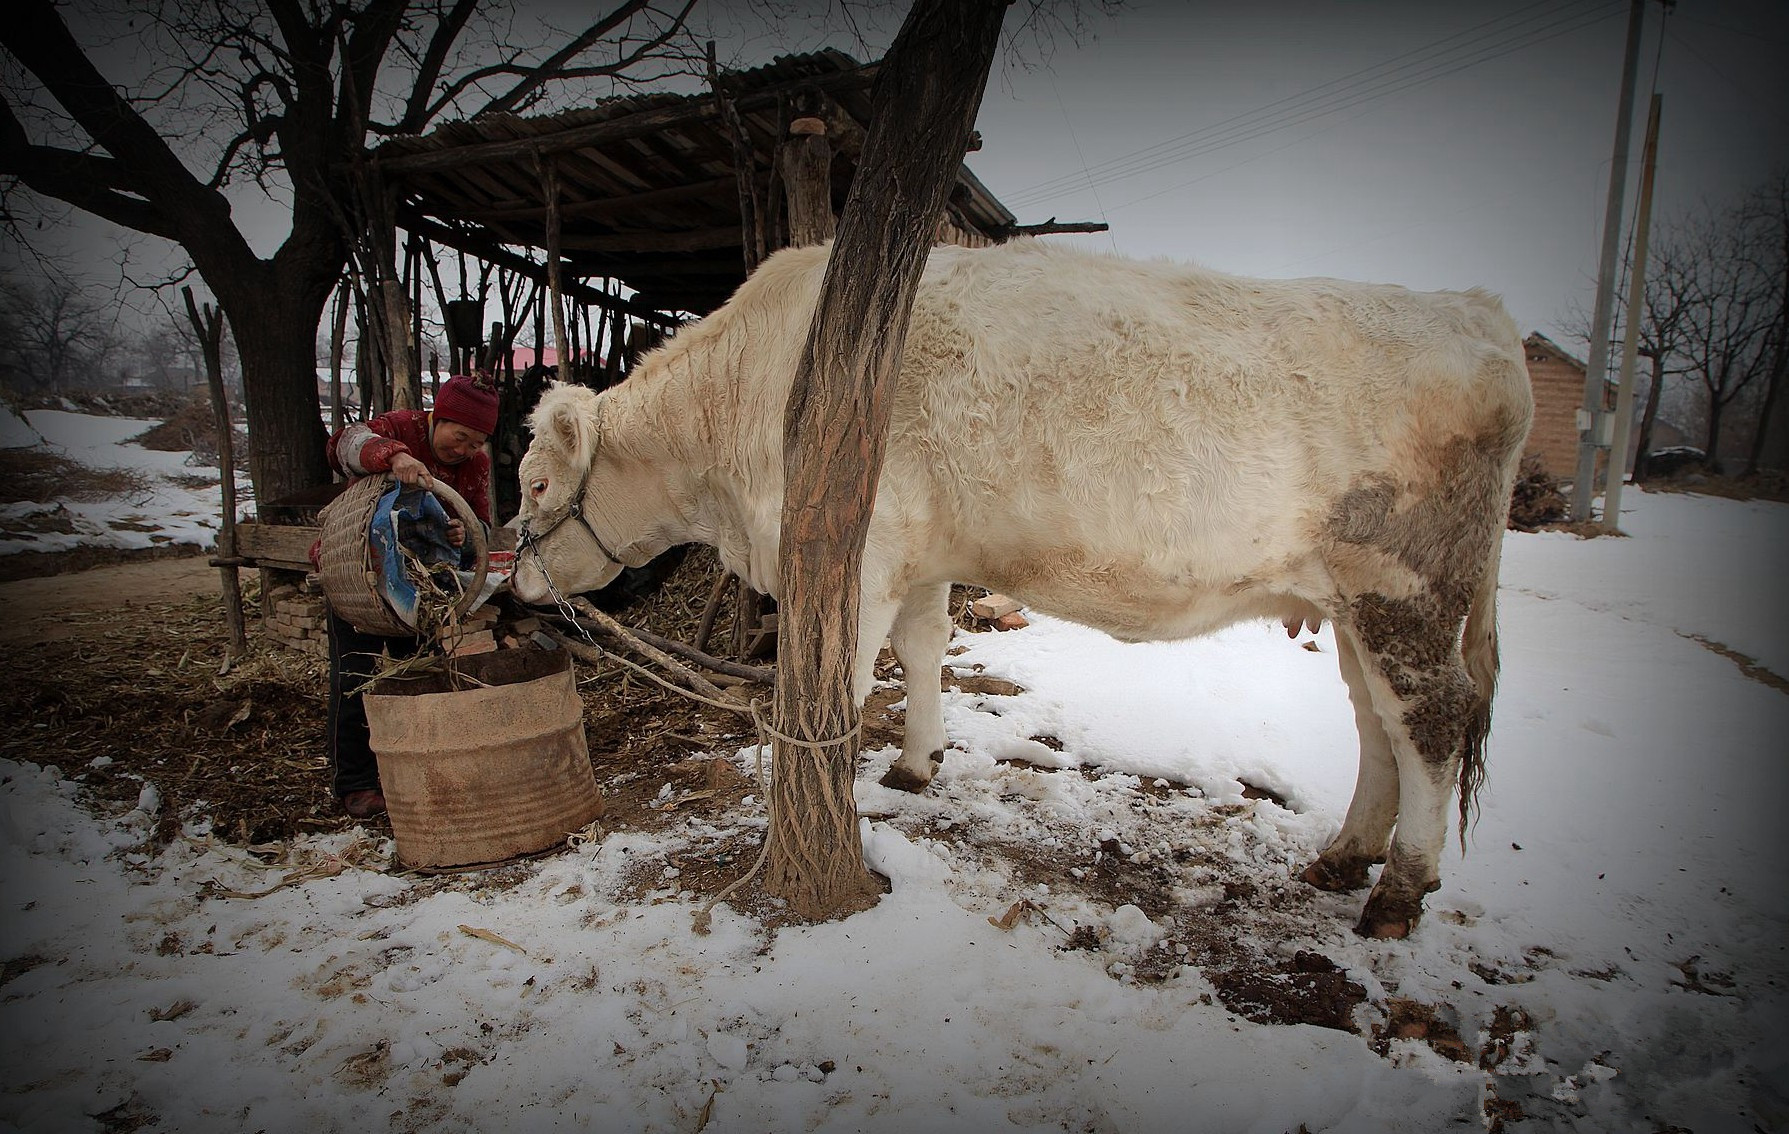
(1154, 420)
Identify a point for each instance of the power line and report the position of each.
(1386, 78)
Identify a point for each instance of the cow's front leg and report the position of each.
(921, 631)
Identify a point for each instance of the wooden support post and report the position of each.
(338, 414)
(391, 303)
(406, 382)
(549, 189)
(834, 431)
(751, 240)
(208, 325)
(806, 167)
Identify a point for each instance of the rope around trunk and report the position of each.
(702, 920)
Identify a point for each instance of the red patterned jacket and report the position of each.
(368, 447)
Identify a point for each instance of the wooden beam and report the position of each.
(620, 128)
(1008, 231)
(624, 204)
(502, 257)
(807, 182)
(549, 192)
(667, 266)
(689, 240)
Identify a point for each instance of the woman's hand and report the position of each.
(412, 472)
(456, 533)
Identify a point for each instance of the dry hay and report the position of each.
(1537, 499)
(193, 428)
(43, 478)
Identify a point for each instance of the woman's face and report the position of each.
(455, 442)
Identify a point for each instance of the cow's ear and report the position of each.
(566, 426)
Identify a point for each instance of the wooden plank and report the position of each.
(694, 240)
(277, 545)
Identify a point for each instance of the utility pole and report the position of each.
(1636, 311)
(1592, 416)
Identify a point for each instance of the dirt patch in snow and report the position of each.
(118, 681)
(42, 477)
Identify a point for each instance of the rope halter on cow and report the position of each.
(528, 540)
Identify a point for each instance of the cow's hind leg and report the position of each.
(1427, 703)
(1361, 842)
(921, 631)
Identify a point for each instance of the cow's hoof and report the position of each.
(1385, 930)
(901, 779)
(1338, 877)
(1388, 918)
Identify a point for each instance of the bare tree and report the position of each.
(1765, 217)
(1717, 320)
(1667, 298)
(58, 332)
(285, 95)
(1728, 318)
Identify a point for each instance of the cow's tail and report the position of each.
(1478, 647)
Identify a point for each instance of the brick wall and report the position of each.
(293, 617)
(1558, 383)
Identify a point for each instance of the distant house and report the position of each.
(1558, 383)
(522, 357)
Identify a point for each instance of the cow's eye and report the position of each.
(537, 488)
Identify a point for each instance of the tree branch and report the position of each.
(416, 109)
(34, 33)
(87, 181)
(550, 67)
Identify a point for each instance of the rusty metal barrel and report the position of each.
(483, 771)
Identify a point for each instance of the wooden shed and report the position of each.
(646, 210)
(673, 196)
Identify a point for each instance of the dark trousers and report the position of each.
(353, 659)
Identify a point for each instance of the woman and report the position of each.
(419, 448)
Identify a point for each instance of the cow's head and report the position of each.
(588, 507)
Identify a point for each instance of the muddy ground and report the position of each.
(117, 680)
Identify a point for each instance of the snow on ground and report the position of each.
(14, 432)
(1613, 941)
(176, 503)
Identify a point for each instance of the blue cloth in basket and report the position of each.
(411, 521)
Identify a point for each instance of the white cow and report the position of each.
(1152, 449)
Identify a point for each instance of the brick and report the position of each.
(1011, 621)
(992, 607)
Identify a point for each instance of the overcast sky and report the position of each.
(1438, 145)
(1435, 144)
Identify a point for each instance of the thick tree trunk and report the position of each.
(926, 95)
(1712, 439)
(275, 331)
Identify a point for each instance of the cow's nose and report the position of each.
(527, 584)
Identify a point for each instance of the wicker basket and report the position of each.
(350, 579)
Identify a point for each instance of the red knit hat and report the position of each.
(471, 401)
